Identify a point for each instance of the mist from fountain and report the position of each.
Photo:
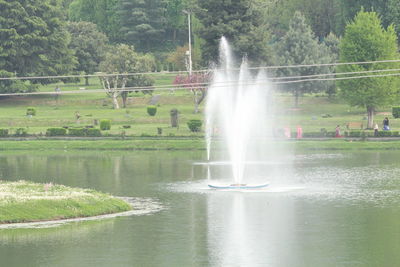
(239, 116)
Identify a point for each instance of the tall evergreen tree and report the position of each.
(89, 45)
(143, 23)
(103, 13)
(366, 40)
(332, 42)
(239, 22)
(33, 39)
(299, 46)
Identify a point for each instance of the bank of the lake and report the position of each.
(24, 201)
(190, 144)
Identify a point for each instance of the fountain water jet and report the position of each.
(239, 114)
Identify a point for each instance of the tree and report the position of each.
(321, 15)
(366, 40)
(120, 61)
(239, 22)
(299, 46)
(143, 23)
(33, 40)
(332, 42)
(175, 18)
(89, 45)
(197, 84)
(103, 13)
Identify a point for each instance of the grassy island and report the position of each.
(24, 201)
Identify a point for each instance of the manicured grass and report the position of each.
(24, 201)
(313, 113)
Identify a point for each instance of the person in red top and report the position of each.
(337, 131)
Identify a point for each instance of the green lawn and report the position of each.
(312, 114)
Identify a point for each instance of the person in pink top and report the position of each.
(299, 132)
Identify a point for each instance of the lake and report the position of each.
(321, 209)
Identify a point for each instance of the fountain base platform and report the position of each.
(238, 186)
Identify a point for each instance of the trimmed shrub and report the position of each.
(152, 110)
(194, 125)
(21, 132)
(77, 131)
(3, 132)
(93, 132)
(396, 112)
(384, 133)
(105, 125)
(395, 133)
(355, 133)
(314, 134)
(330, 134)
(56, 132)
(31, 111)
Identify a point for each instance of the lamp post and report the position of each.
(190, 41)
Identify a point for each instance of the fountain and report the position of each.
(239, 120)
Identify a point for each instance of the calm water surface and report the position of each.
(338, 209)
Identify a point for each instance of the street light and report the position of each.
(188, 12)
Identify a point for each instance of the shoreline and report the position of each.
(140, 206)
(188, 144)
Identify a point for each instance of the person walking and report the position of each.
(337, 131)
(386, 124)
(376, 129)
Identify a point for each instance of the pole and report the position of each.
(190, 42)
(190, 47)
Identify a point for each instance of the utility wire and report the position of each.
(204, 84)
(195, 71)
(264, 82)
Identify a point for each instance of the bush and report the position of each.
(105, 125)
(31, 111)
(21, 132)
(151, 110)
(93, 132)
(314, 134)
(56, 132)
(77, 131)
(396, 112)
(3, 132)
(194, 125)
(384, 133)
(395, 133)
(330, 134)
(355, 134)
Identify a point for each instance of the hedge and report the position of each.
(56, 132)
(3, 132)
